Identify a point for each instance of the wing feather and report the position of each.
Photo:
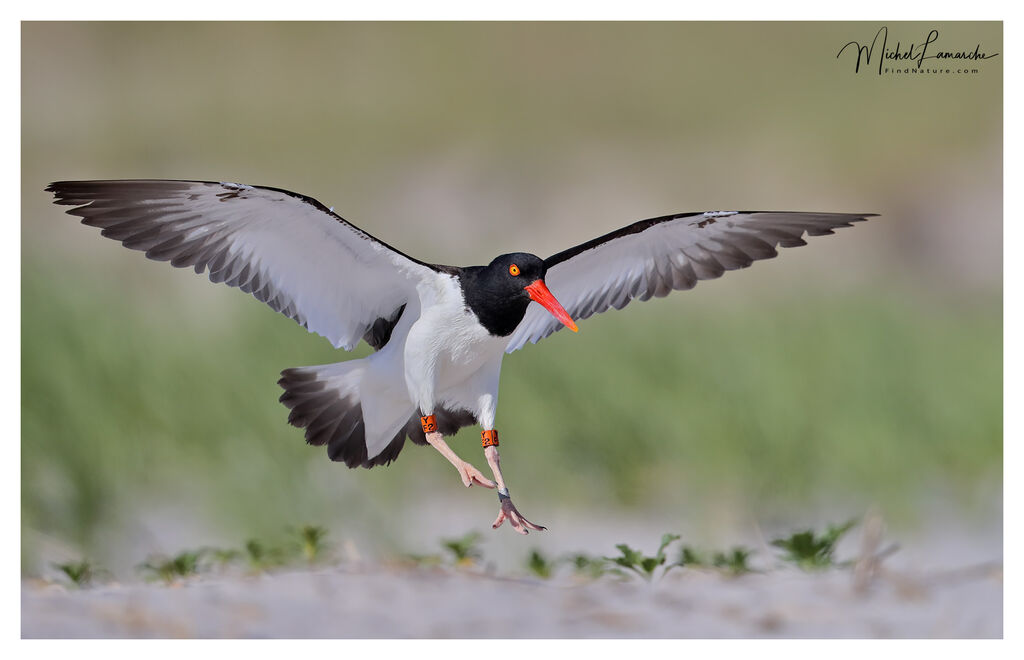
(654, 257)
(286, 250)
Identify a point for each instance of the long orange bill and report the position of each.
(539, 293)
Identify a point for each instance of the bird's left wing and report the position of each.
(654, 257)
(286, 249)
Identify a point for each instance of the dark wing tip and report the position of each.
(78, 193)
(643, 225)
(69, 192)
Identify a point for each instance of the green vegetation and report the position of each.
(806, 550)
(464, 550)
(584, 565)
(731, 562)
(223, 558)
(311, 540)
(641, 564)
(691, 557)
(428, 560)
(171, 569)
(80, 573)
(305, 544)
(261, 557)
(810, 551)
(540, 565)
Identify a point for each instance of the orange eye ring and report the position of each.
(513, 270)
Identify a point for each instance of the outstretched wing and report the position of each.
(654, 257)
(287, 250)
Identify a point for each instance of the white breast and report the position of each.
(450, 359)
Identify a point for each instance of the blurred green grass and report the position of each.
(772, 402)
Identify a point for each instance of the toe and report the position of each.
(499, 520)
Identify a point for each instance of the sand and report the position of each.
(382, 601)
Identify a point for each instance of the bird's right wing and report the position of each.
(286, 249)
(654, 257)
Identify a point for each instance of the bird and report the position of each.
(438, 332)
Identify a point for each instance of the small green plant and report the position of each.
(170, 569)
(311, 543)
(81, 573)
(733, 562)
(585, 565)
(262, 557)
(422, 560)
(810, 551)
(690, 556)
(539, 565)
(639, 563)
(464, 550)
(223, 557)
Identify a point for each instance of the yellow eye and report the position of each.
(513, 270)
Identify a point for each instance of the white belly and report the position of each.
(450, 359)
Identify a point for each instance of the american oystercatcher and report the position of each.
(439, 332)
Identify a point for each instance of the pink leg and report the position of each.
(469, 474)
(508, 510)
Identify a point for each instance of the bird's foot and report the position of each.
(516, 519)
(470, 475)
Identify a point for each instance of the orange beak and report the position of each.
(539, 293)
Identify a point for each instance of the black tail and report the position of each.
(324, 400)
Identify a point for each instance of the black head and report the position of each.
(500, 292)
(515, 272)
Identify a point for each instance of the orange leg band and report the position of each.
(489, 438)
(428, 423)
